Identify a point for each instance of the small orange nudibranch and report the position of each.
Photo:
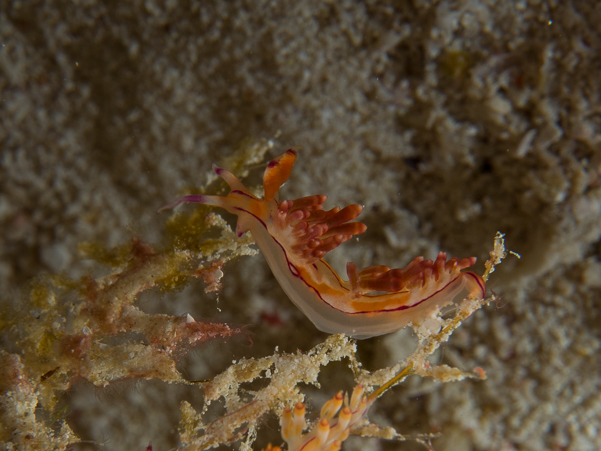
(295, 235)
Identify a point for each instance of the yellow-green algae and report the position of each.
(61, 325)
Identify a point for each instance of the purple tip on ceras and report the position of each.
(240, 232)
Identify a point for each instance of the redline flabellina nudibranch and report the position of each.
(295, 235)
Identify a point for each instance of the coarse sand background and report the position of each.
(447, 120)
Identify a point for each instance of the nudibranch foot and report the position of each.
(295, 235)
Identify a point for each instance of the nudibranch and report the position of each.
(295, 235)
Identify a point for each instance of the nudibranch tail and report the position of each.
(295, 235)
